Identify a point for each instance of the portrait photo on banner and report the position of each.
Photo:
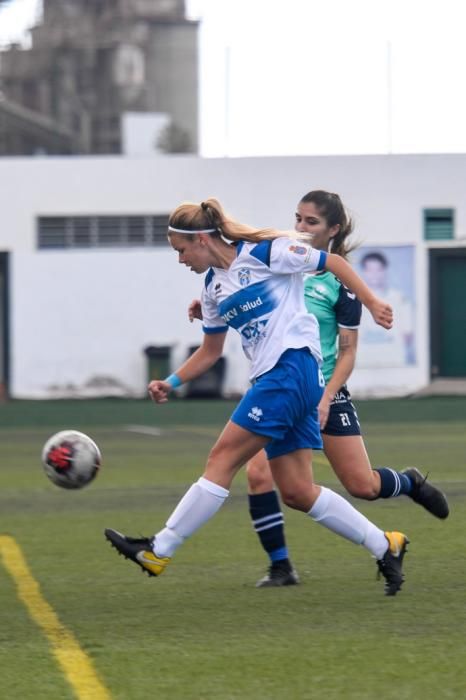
(389, 271)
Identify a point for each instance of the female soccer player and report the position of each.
(322, 219)
(256, 287)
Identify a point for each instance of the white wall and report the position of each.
(80, 315)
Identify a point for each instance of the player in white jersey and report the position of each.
(256, 287)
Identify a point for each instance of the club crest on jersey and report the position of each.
(298, 249)
(244, 276)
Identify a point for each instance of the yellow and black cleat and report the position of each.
(138, 550)
(391, 564)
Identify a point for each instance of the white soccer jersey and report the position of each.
(261, 296)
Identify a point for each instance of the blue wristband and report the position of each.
(174, 381)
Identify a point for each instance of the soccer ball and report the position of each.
(71, 459)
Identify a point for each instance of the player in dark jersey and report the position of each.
(323, 221)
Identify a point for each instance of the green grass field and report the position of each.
(202, 631)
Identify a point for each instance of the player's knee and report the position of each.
(259, 476)
(216, 453)
(220, 462)
(289, 499)
(296, 499)
(259, 482)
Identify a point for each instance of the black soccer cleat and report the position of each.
(278, 575)
(427, 495)
(138, 550)
(390, 566)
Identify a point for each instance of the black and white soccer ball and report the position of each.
(71, 459)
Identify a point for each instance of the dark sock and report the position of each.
(267, 520)
(393, 483)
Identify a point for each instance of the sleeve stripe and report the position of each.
(322, 260)
(209, 277)
(262, 252)
(350, 328)
(216, 329)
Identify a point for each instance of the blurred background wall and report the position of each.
(93, 281)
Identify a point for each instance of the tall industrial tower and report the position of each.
(93, 61)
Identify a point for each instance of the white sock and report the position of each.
(335, 513)
(197, 506)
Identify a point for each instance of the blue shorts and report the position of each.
(282, 404)
(342, 417)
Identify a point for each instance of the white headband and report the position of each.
(182, 230)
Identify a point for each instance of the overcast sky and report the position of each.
(303, 77)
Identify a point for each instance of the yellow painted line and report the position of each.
(76, 665)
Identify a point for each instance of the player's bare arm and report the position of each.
(198, 363)
(381, 312)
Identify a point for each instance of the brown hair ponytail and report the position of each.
(210, 214)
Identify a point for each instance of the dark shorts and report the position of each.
(342, 417)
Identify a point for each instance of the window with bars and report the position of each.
(54, 232)
(438, 224)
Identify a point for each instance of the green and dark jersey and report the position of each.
(334, 306)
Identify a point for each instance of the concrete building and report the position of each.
(87, 280)
(90, 63)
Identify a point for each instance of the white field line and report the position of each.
(144, 430)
